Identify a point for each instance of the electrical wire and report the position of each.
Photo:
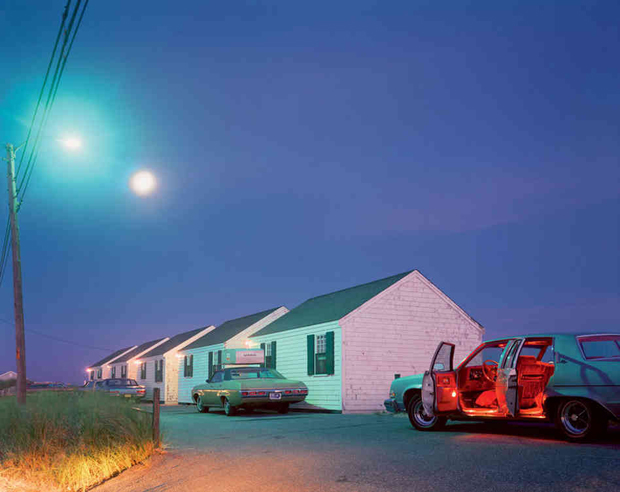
(58, 339)
(49, 66)
(46, 109)
(6, 246)
(60, 67)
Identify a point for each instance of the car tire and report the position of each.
(200, 407)
(283, 408)
(579, 420)
(419, 420)
(229, 410)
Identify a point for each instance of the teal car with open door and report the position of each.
(570, 379)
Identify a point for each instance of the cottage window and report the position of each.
(269, 351)
(124, 371)
(113, 372)
(92, 375)
(159, 371)
(320, 364)
(99, 373)
(143, 370)
(321, 360)
(188, 366)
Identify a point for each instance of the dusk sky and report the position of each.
(306, 147)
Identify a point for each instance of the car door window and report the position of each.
(509, 355)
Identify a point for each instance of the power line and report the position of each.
(49, 66)
(60, 67)
(58, 339)
(6, 246)
(46, 109)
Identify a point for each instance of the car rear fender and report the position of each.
(604, 397)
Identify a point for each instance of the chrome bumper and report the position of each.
(392, 406)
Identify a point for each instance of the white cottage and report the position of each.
(200, 359)
(159, 367)
(348, 345)
(129, 365)
(102, 369)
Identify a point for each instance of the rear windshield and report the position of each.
(258, 373)
(601, 346)
(122, 382)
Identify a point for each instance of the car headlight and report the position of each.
(392, 394)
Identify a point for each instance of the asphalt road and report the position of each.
(358, 453)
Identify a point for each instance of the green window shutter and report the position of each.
(273, 355)
(219, 360)
(191, 366)
(310, 355)
(210, 364)
(329, 351)
(262, 347)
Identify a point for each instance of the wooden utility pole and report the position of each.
(20, 339)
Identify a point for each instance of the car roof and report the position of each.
(553, 334)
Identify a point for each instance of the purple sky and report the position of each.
(306, 147)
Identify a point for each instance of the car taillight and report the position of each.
(253, 393)
(114, 392)
(141, 391)
(301, 391)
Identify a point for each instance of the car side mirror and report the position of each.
(438, 366)
(207, 380)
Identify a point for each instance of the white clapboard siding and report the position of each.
(201, 369)
(149, 382)
(324, 392)
(397, 332)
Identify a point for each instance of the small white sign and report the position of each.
(241, 356)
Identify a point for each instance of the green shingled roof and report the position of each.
(110, 357)
(329, 307)
(173, 342)
(228, 330)
(137, 350)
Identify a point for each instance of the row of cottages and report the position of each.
(159, 367)
(200, 359)
(102, 369)
(348, 345)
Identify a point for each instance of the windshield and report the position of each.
(122, 382)
(254, 373)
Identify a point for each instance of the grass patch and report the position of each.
(71, 440)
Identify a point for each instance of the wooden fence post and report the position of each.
(156, 417)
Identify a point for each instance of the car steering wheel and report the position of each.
(489, 369)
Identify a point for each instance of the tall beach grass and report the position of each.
(71, 440)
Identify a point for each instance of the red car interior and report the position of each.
(477, 393)
(533, 376)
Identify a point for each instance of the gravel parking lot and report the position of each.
(330, 452)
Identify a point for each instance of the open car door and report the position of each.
(439, 382)
(507, 384)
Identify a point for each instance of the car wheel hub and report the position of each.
(421, 416)
(576, 418)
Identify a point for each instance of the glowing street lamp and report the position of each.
(71, 143)
(143, 183)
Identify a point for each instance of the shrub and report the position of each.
(71, 440)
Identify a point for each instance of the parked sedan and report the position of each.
(248, 388)
(570, 379)
(127, 388)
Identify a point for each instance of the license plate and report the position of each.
(275, 396)
(126, 395)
